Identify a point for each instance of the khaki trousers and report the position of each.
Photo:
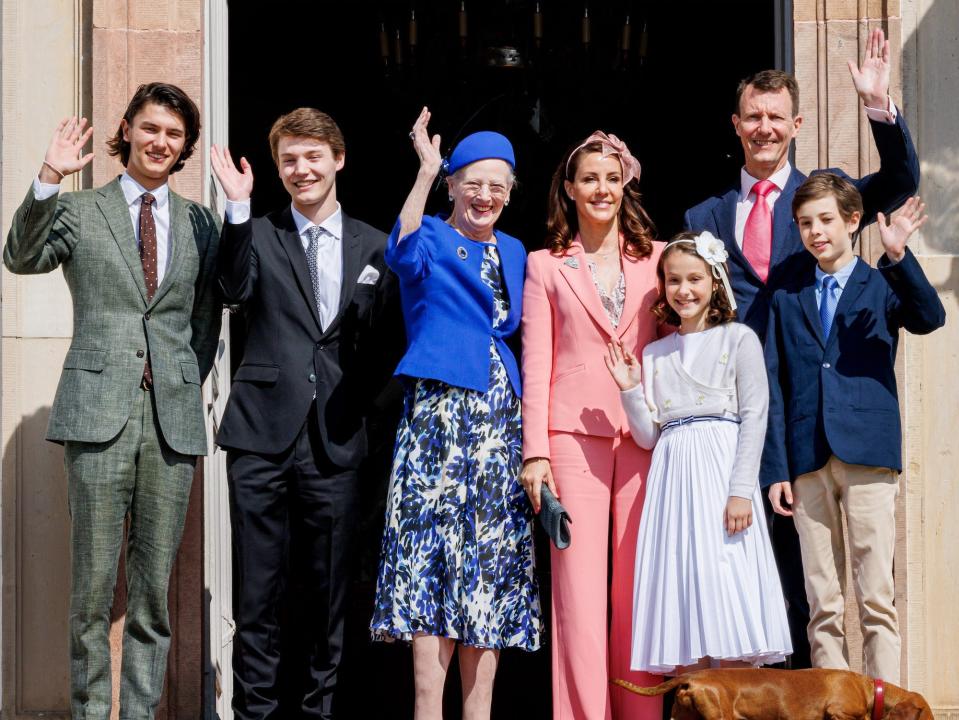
(867, 496)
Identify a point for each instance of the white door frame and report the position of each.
(218, 622)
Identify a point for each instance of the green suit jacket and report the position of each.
(89, 234)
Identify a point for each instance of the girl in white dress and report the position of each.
(707, 589)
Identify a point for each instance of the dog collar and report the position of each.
(878, 702)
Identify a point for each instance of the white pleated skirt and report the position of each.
(699, 592)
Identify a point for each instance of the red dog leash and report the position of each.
(879, 701)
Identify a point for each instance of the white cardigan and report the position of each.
(727, 377)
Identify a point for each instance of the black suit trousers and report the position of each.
(293, 515)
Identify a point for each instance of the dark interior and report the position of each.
(669, 96)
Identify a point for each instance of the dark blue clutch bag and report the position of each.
(554, 518)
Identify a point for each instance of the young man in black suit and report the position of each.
(313, 284)
(765, 249)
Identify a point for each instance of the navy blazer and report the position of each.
(837, 395)
(885, 190)
(448, 309)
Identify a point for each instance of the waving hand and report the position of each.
(237, 184)
(65, 153)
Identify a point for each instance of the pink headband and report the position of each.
(612, 145)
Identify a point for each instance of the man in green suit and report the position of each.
(139, 261)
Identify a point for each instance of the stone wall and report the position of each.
(923, 36)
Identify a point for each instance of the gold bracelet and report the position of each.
(54, 169)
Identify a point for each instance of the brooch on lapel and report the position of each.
(461, 251)
(572, 262)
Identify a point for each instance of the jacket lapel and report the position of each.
(113, 205)
(290, 241)
(783, 220)
(635, 272)
(180, 233)
(580, 281)
(351, 265)
(854, 287)
(807, 301)
(725, 217)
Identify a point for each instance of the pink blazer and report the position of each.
(566, 385)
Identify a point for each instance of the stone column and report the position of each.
(930, 86)
(925, 83)
(138, 41)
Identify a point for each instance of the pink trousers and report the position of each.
(597, 478)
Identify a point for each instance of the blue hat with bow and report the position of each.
(483, 145)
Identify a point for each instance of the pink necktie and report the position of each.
(758, 233)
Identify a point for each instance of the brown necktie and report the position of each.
(148, 256)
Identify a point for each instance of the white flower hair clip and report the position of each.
(713, 251)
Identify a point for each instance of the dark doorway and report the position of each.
(669, 96)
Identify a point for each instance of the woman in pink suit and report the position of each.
(593, 284)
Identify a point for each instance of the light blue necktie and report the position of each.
(827, 304)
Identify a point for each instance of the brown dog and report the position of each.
(766, 694)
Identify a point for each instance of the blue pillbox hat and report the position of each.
(481, 145)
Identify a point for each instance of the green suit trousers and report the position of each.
(135, 474)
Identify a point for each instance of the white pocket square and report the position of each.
(369, 276)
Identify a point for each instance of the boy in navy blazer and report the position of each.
(834, 435)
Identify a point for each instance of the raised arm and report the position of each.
(627, 372)
(42, 234)
(237, 266)
(898, 174)
(913, 304)
(428, 151)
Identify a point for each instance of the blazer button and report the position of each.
(146, 316)
(139, 353)
(826, 365)
(312, 377)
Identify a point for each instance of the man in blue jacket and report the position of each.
(833, 446)
(765, 249)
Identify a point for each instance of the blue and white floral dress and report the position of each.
(457, 554)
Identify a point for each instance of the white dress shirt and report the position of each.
(781, 176)
(747, 199)
(133, 192)
(329, 252)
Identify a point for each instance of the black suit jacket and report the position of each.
(288, 356)
(882, 191)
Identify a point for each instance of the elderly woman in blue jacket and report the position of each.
(457, 558)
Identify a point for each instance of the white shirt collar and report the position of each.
(132, 190)
(333, 224)
(778, 178)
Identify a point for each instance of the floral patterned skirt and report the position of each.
(457, 553)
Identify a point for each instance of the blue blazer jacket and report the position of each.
(885, 190)
(447, 308)
(837, 395)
